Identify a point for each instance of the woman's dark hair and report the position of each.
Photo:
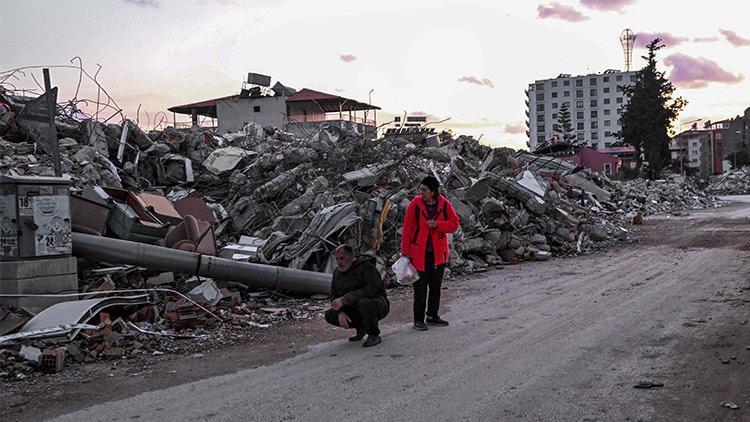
(432, 183)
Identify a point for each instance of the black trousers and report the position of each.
(364, 315)
(430, 279)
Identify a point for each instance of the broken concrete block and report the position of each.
(206, 292)
(538, 239)
(225, 159)
(31, 353)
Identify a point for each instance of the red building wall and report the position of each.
(595, 160)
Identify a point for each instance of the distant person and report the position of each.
(429, 218)
(359, 296)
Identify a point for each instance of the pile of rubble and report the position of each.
(273, 198)
(265, 196)
(661, 196)
(735, 182)
(153, 325)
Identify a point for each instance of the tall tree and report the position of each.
(564, 126)
(647, 119)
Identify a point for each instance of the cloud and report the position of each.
(669, 40)
(706, 39)
(691, 72)
(559, 11)
(476, 81)
(607, 5)
(144, 3)
(734, 39)
(515, 128)
(347, 58)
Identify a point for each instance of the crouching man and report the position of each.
(359, 296)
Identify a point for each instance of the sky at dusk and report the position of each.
(467, 60)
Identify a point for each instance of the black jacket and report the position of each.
(360, 281)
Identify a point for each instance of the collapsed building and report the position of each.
(150, 211)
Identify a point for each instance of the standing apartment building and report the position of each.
(595, 102)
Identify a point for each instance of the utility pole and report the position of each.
(52, 130)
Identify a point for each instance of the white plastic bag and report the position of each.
(406, 274)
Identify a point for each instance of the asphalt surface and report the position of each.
(565, 340)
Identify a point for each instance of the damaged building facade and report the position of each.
(299, 113)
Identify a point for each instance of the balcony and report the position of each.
(327, 117)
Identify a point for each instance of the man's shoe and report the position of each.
(372, 341)
(420, 326)
(360, 335)
(436, 321)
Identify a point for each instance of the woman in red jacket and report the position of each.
(429, 218)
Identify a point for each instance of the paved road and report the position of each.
(557, 341)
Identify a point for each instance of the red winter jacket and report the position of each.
(415, 232)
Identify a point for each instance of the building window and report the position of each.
(619, 77)
(540, 107)
(607, 134)
(633, 78)
(606, 101)
(593, 103)
(540, 128)
(594, 135)
(579, 104)
(606, 79)
(619, 111)
(607, 166)
(554, 105)
(540, 138)
(594, 125)
(607, 112)
(540, 96)
(256, 109)
(619, 100)
(540, 118)
(566, 104)
(554, 115)
(579, 93)
(540, 87)
(594, 114)
(592, 92)
(566, 94)
(579, 136)
(556, 127)
(607, 122)
(566, 83)
(579, 82)
(606, 90)
(594, 145)
(579, 126)
(554, 94)
(554, 84)
(592, 81)
(579, 115)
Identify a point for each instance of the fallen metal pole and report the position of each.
(166, 259)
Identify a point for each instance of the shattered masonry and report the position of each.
(263, 195)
